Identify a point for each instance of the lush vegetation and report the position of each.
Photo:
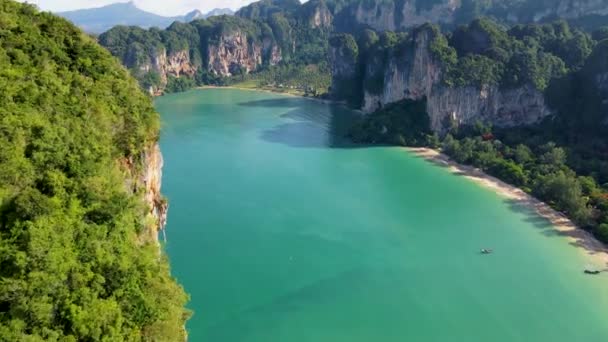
(75, 260)
(308, 80)
(497, 55)
(562, 160)
(266, 24)
(403, 123)
(539, 167)
(524, 157)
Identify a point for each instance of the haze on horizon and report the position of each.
(165, 8)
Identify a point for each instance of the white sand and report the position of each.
(596, 250)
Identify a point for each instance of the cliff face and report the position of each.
(413, 73)
(595, 77)
(390, 15)
(145, 176)
(235, 53)
(410, 74)
(151, 180)
(175, 64)
(394, 15)
(566, 9)
(502, 108)
(321, 17)
(343, 56)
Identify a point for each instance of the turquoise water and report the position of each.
(282, 231)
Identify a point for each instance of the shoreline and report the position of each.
(592, 248)
(269, 91)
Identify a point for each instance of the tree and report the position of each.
(523, 155)
(552, 156)
(566, 192)
(75, 263)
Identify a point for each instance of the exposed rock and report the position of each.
(378, 15)
(151, 180)
(176, 64)
(272, 52)
(145, 176)
(443, 13)
(321, 18)
(503, 108)
(413, 73)
(343, 55)
(391, 15)
(566, 9)
(233, 54)
(395, 15)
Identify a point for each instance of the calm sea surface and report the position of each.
(281, 231)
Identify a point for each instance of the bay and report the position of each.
(281, 230)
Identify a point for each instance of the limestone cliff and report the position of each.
(594, 83)
(318, 14)
(236, 53)
(395, 15)
(144, 175)
(174, 64)
(343, 56)
(550, 9)
(391, 15)
(500, 107)
(412, 72)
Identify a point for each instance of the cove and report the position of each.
(281, 230)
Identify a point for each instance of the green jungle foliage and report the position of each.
(499, 56)
(74, 261)
(403, 123)
(562, 160)
(312, 80)
(264, 24)
(481, 53)
(525, 54)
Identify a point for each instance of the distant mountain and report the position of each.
(101, 19)
(219, 11)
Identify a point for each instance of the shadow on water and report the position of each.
(530, 208)
(240, 323)
(309, 124)
(579, 238)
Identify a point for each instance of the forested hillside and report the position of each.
(78, 258)
(526, 104)
(224, 49)
(283, 44)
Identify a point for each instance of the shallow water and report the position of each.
(282, 231)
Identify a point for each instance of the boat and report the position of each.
(592, 269)
(592, 272)
(486, 251)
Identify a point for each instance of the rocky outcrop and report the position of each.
(565, 9)
(391, 15)
(447, 106)
(175, 64)
(144, 175)
(151, 181)
(412, 72)
(235, 53)
(395, 15)
(319, 15)
(343, 56)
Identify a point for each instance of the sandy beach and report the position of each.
(593, 248)
(268, 91)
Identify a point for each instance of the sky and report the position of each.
(162, 7)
